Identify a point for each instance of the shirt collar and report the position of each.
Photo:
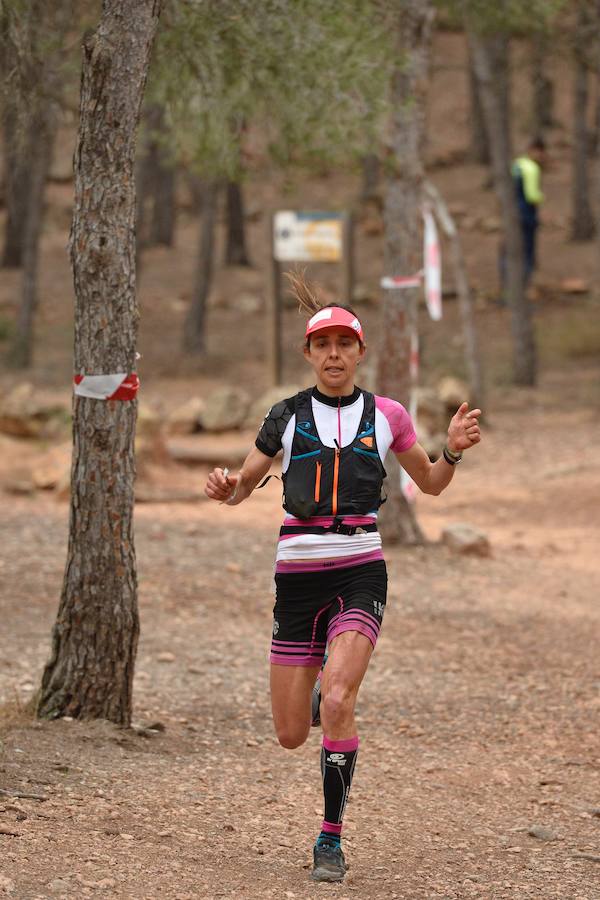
(335, 401)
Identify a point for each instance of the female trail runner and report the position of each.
(330, 573)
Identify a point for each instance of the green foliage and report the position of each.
(515, 16)
(312, 77)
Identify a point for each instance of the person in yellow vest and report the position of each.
(527, 175)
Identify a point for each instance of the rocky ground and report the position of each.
(479, 769)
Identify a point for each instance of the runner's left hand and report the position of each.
(463, 430)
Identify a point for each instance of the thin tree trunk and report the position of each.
(94, 641)
(371, 173)
(16, 180)
(236, 253)
(542, 105)
(597, 159)
(403, 253)
(194, 336)
(162, 228)
(40, 158)
(480, 149)
(582, 225)
(155, 217)
(492, 92)
(472, 354)
(41, 78)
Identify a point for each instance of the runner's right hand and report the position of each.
(219, 486)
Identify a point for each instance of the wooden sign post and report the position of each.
(305, 237)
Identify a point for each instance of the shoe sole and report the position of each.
(324, 875)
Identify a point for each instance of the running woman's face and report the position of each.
(334, 354)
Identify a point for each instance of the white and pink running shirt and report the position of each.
(394, 431)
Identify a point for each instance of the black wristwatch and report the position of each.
(451, 458)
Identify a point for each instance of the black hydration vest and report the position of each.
(333, 481)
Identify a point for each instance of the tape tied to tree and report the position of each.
(402, 282)
(120, 386)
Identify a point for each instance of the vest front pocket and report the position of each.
(303, 484)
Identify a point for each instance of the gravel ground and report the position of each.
(479, 768)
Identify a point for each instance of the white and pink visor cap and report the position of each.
(334, 317)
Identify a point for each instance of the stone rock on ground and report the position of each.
(574, 286)
(465, 539)
(225, 408)
(263, 404)
(247, 303)
(53, 469)
(27, 412)
(542, 833)
(149, 421)
(452, 392)
(186, 419)
(431, 412)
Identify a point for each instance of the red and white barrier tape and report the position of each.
(433, 267)
(107, 387)
(401, 282)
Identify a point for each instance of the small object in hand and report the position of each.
(225, 474)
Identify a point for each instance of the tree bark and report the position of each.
(236, 253)
(403, 253)
(194, 335)
(582, 225)
(94, 641)
(498, 127)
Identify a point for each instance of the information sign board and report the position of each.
(308, 236)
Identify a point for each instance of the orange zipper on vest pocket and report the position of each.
(318, 483)
(336, 471)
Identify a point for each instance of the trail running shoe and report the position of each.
(329, 862)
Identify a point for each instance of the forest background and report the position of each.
(311, 126)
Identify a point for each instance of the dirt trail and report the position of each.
(478, 717)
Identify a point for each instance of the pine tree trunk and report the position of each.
(235, 238)
(194, 329)
(16, 180)
(542, 107)
(94, 641)
(371, 173)
(480, 149)
(39, 160)
(155, 217)
(582, 226)
(162, 228)
(403, 254)
(498, 127)
(597, 148)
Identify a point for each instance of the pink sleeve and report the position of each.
(401, 426)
